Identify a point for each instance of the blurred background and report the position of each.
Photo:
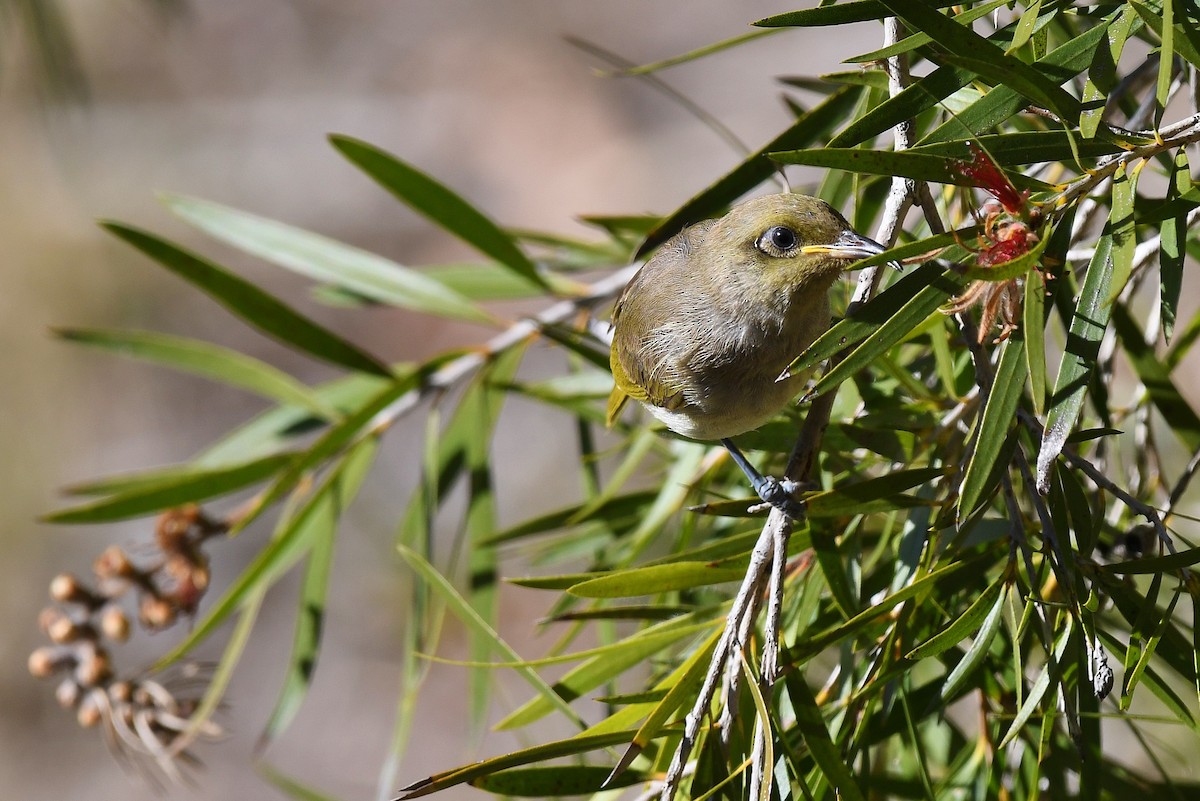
(231, 100)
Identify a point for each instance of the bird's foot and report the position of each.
(777, 494)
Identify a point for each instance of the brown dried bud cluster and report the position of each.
(147, 716)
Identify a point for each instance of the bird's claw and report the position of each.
(777, 494)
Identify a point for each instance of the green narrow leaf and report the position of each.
(471, 618)
(986, 58)
(204, 359)
(684, 683)
(654, 579)
(912, 42)
(1002, 102)
(812, 127)
(479, 413)
(910, 316)
(604, 666)
(963, 626)
(871, 315)
(694, 55)
(256, 307)
(914, 164)
(334, 440)
(439, 204)
(1155, 377)
(820, 744)
(1173, 247)
(809, 645)
(978, 650)
(553, 781)
(326, 260)
(306, 641)
(579, 744)
(1102, 76)
(999, 415)
(293, 539)
(1088, 324)
(839, 14)
(1124, 234)
(1025, 24)
(1166, 56)
(1048, 676)
(1033, 326)
(145, 494)
(1155, 564)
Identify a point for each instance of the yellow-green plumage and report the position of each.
(705, 328)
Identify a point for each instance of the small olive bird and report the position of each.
(703, 331)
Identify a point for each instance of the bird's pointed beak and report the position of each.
(851, 246)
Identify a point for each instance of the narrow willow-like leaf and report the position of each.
(1033, 326)
(962, 627)
(1173, 247)
(159, 491)
(813, 127)
(256, 307)
(1029, 147)
(911, 315)
(1083, 344)
(325, 260)
(1102, 77)
(553, 782)
(1166, 56)
(870, 316)
(603, 666)
(989, 60)
(1049, 675)
(289, 786)
(809, 646)
(280, 427)
(463, 611)
(999, 416)
(821, 746)
(1162, 689)
(441, 205)
(1155, 377)
(1121, 225)
(310, 614)
(655, 579)
(846, 498)
(840, 14)
(1161, 619)
(333, 441)
(620, 509)
(1156, 564)
(912, 42)
(292, 540)
(479, 413)
(833, 567)
(691, 676)
(580, 744)
(978, 650)
(1002, 102)
(1025, 26)
(694, 55)
(204, 359)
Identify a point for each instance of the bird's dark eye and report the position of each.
(778, 239)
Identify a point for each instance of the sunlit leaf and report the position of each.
(325, 260)
(252, 304)
(441, 205)
(204, 359)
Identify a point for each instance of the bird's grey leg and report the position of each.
(776, 492)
